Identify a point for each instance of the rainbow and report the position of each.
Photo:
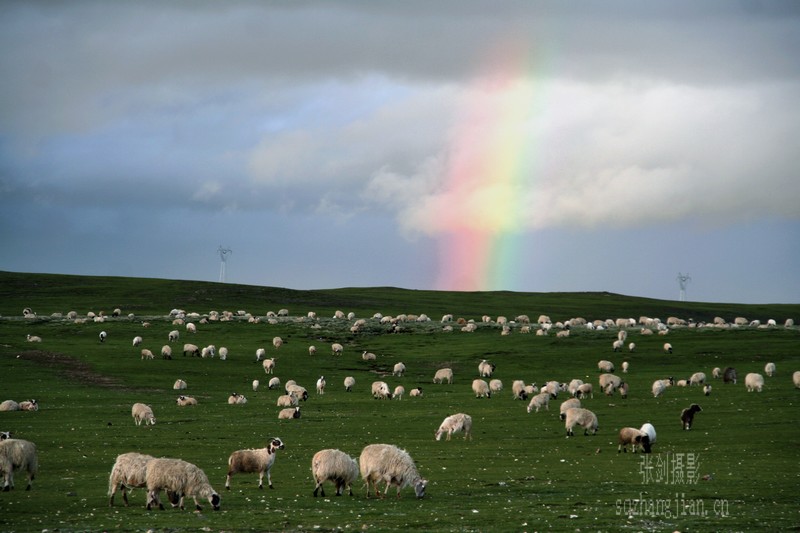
(489, 173)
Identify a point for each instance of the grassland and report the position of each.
(519, 473)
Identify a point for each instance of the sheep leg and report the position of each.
(318, 488)
(269, 477)
(228, 480)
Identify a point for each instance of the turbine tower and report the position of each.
(223, 256)
(683, 280)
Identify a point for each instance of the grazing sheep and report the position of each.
(682, 383)
(454, 424)
(254, 460)
(335, 466)
(261, 353)
(616, 346)
(17, 455)
(191, 349)
(769, 369)
(481, 389)
(584, 390)
(667, 347)
(698, 378)
(399, 370)
(707, 390)
(416, 393)
(289, 413)
(625, 366)
(34, 338)
(102, 336)
(636, 438)
(605, 366)
(269, 365)
(143, 413)
(287, 400)
(321, 385)
(191, 328)
(567, 404)
(716, 373)
(137, 340)
(185, 401)
(179, 385)
(442, 375)
(380, 390)
(166, 352)
(538, 401)
(130, 472)
(609, 379)
(337, 349)
(180, 478)
(518, 390)
(312, 350)
(277, 342)
(237, 399)
(632, 347)
(274, 383)
(368, 356)
(796, 379)
(729, 375)
(495, 385)
(687, 415)
(398, 393)
(5, 435)
(485, 369)
(174, 335)
(147, 354)
(349, 383)
(623, 389)
(754, 382)
(389, 464)
(9, 405)
(582, 417)
(648, 428)
(660, 385)
(29, 405)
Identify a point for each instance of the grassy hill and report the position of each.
(736, 470)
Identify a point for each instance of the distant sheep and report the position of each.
(442, 375)
(796, 379)
(191, 328)
(707, 389)
(147, 354)
(277, 342)
(191, 349)
(179, 385)
(481, 389)
(687, 416)
(17, 455)
(568, 404)
(103, 336)
(349, 383)
(729, 375)
(617, 346)
(297, 390)
(585, 390)
(269, 365)
(237, 399)
(769, 369)
(34, 338)
(380, 390)
(368, 356)
(289, 413)
(254, 461)
(635, 437)
(398, 393)
(137, 340)
(667, 347)
(321, 385)
(518, 391)
(648, 428)
(632, 347)
(485, 369)
(185, 401)
(538, 401)
(454, 424)
(580, 417)
(166, 352)
(274, 383)
(29, 405)
(143, 413)
(416, 392)
(174, 335)
(287, 400)
(180, 478)
(337, 349)
(716, 373)
(698, 378)
(261, 353)
(312, 350)
(660, 385)
(256, 384)
(605, 366)
(9, 405)
(609, 379)
(399, 370)
(754, 382)
(385, 463)
(625, 366)
(335, 466)
(495, 385)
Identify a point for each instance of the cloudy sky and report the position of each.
(458, 145)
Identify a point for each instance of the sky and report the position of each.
(449, 145)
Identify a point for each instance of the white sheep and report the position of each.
(349, 383)
(495, 385)
(518, 391)
(130, 472)
(632, 347)
(185, 401)
(312, 350)
(17, 455)
(223, 353)
(269, 365)
(368, 356)
(380, 390)
(179, 385)
(102, 336)
(191, 328)
(660, 385)
(147, 354)
(567, 404)
(481, 389)
(274, 383)
(707, 389)
(667, 347)
(289, 413)
(143, 413)
(254, 460)
(585, 390)
(553, 387)
(321, 385)
(796, 379)
(698, 378)
(237, 399)
(582, 417)
(609, 379)
(166, 352)
(648, 428)
(769, 369)
(442, 375)
(416, 392)
(454, 424)
(625, 366)
(337, 349)
(485, 369)
(174, 335)
(538, 401)
(34, 338)
(191, 349)
(137, 340)
(261, 353)
(287, 400)
(335, 466)
(389, 464)
(716, 373)
(754, 382)
(256, 384)
(399, 370)
(398, 393)
(617, 346)
(29, 405)
(9, 405)
(605, 366)
(297, 390)
(180, 478)
(277, 342)
(635, 437)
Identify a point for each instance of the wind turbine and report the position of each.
(683, 280)
(223, 256)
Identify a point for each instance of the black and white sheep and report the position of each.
(349, 383)
(180, 478)
(386, 463)
(454, 424)
(650, 430)
(336, 466)
(17, 455)
(687, 415)
(254, 461)
(29, 405)
(289, 413)
(185, 401)
(485, 369)
(637, 438)
(580, 417)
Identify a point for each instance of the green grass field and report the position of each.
(739, 464)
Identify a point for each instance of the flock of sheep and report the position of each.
(379, 464)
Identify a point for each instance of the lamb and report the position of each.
(321, 385)
(137, 340)
(687, 416)
(399, 370)
(254, 460)
(287, 400)
(399, 391)
(29, 405)
(129, 472)
(185, 401)
(769, 369)
(605, 366)
(481, 389)
(660, 385)
(380, 390)
(147, 354)
(623, 389)
(388, 463)
(442, 375)
(698, 378)
(754, 382)
(289, 413)
(636, 438)
(269, 365)
(540, 400)
(454, 424)
(584, 390)
(349, 383)
(416, 392)
(191, 349)
(667, 347)
(337, 349)
(17, 455)
(180, 478)
(485, 369)
(567, 404)
(729, 375)
(143, 413)
(261, 353)
(179, 385)
(166, 352)
(336, 466)
(236, 399)
(34, 338)
(582, 417)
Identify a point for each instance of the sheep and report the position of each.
(667, 347)
(179, 385)
(137, 340)
(5, 435)
(261, 353)
(399, 370)
(274, 383)
(29, 405)
(102, 336)
(796, 379)
(687, 416)
(754, 382)
(582, 417)
(147, 354)
(660, 385)
(495, 385)
(34, 338)
(337, 349)
(729, 375)
(707, 390)
(130, 472)
(442, 375)
(19, 455)
(632, 347)
(716, 373)
(312, 350)
(636, 438)
(454, 424)
(605, 366)
(335, 466)
(584, 390)
(287, 400)
(166, 352)
(416, 392)
(650, 430)
(289, 413)
(769, 369)
(698, 378)
(625, 366)
(623, 389)
(481, 389)
(223, 353)
(617, 346)
(208, 351)
(485, 369)
(269, 365)
(349, 383)
(256, 384)
(567, 404)
(682, 383)
(609, 379)
(185, 401)
(9, 405)
(180, 478)
(518, 390)
(321, 385)
(191, 349)
(254, 460)
(388, 463)
(380, 390)
(174, 335)
(368, 356)
(297, 390)
(191, 328)
(143, 413)
(538, 401)
(236, 399)
(398, 393)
